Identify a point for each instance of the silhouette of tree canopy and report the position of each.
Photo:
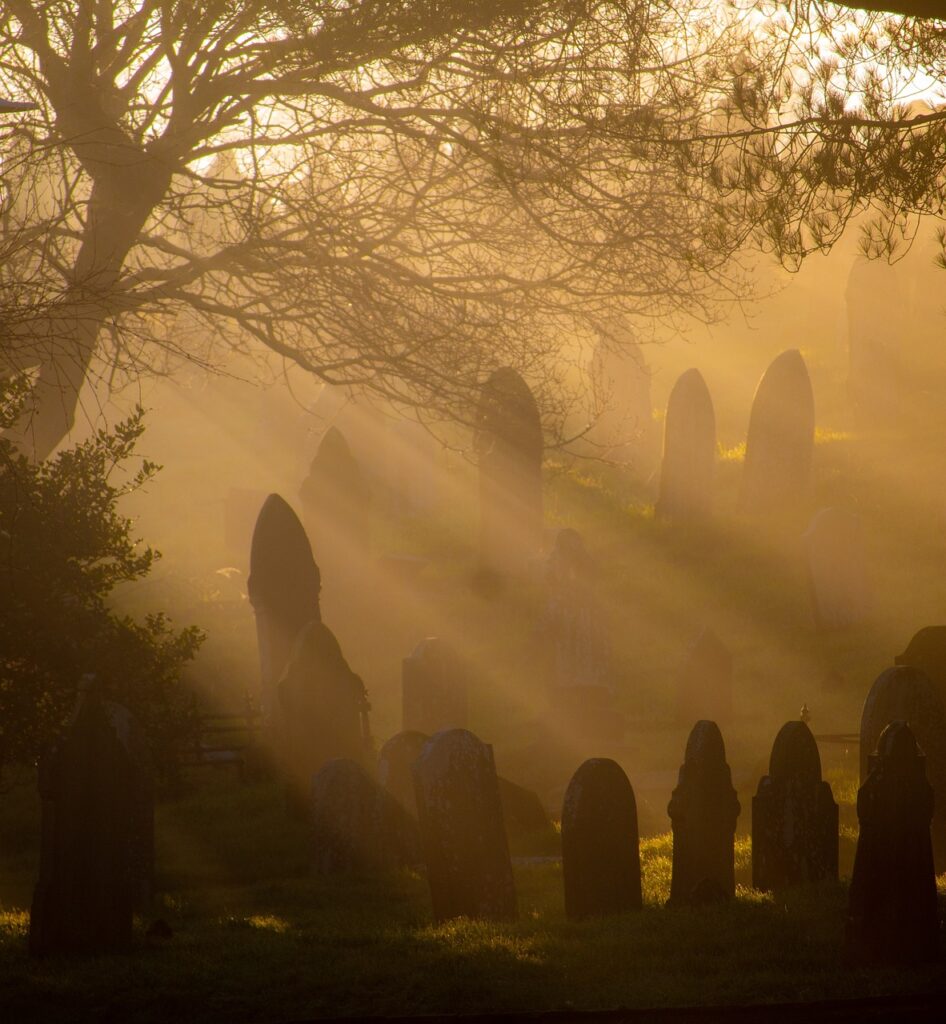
(402, 195)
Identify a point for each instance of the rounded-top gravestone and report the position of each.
(794, 815)
(601, 864)
(781, 437)
(907, 694)
(927, 651)
(893, 914)
(837, 574)
(703, 811)
(463, 834)
(689, 454)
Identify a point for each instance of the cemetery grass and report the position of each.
(256, 937)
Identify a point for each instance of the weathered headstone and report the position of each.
(703, 811)
(893, 914)
(794, 816)
(620, 382)
(324, 708)
(433, 688)
(335, 499)
(704, 682)
(396, 761)
(84, 899)
(781, 437)
(927, 652)
(601, 864)
(906, 694)
(509, 444)
(357, 828)
(837, 570)
(523, 814)
(688, 469)
(462, 829)
(283, 588)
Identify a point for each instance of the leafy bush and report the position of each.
(63, 548)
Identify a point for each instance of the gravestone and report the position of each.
(433, 688)
(794, 816)
(463, 834)
(780, 440)
(704, 682)
(396, 767)
(927, 652)
(837, 572)
(335, 499)
(509, 446)
(620, 380)
(893, 914)
(703, 811)
(524, 816)
(324, 708)
(601, 865)
(688, 468)
(575, 642)
(907, 694)
(283, 587)
(84, 899)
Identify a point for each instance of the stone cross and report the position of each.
(601, 864)
(689, 454)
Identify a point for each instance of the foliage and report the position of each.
(64, 547)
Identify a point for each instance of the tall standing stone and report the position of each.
(704, 681)
(781, 437)
(84, 900)
(283, 587)
(837, 571)
(893, 914)
(324, 709)
(927, 652)
(462, 829)
(907, 694)
(703, 811)
(335, 499)
(601, 865)
(509, 445)
(434, 689)
(794, 816)
(688, 469)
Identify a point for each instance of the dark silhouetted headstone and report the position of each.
(704, 683)
(523, 813)
(688, 470)
(433, 688)
(794, 816)
(781, 437)
(837, 571)
(283, 587)
(703, 812)
(357, 828)
(601, 863)
(85, 897)
(893, 915)
(927, 651)
(335, 499)
(396, 767)
(462, 830)
(324, 709)
(509, 445)
(907, 694)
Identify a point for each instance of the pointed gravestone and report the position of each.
(85, 897)
(837, 574)
(781, 437)
(575, 639)
(601, 865)
(927, 652)
(689, 455)
(433, 688)
(893, 914)
(704, 682)
(324, 709)
(283, 588)
(794, 816)
(335, 499)
(357, 828)
(907, 694)
(703, 812)
(509, 446)
(463, 834)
